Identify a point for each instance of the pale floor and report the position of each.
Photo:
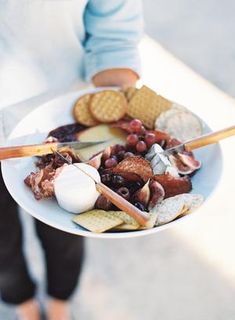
(162, 276)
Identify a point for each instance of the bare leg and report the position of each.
(58, 310)
(28, 310)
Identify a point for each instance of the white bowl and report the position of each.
(33, 129)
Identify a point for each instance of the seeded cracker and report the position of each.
(189, 128)
(169, 209)
(97, 220)
(108, 106)
(191, 201)
(81, 111)
(146, 105)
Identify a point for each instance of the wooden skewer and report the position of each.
(209, 138)
(122, 204)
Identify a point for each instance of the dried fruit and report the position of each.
(184, 163)
(106, 153)
(172, 143)
(143, 195)
(103, 203)
(173, 185)
(95, 161)
(122, 124)
(157, 194)
(134, 165)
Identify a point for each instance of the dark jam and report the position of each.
(66, 133)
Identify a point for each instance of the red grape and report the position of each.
(150, 139)
(110, 162)
(141, 146)
(132, 139)
(142, 130)
(128, 154)
(117, 148)
(135, 125)
(120, 155)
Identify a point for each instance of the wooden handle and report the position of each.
(209, 138)
(28, 150)
(123, 204)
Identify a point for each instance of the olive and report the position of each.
(118, 180)
(106, 178)
(140, 206)
(124, 192)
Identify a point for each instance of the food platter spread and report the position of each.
(139, 125)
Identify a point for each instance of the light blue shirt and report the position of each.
(47, 44)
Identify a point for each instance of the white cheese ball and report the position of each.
(74, 190)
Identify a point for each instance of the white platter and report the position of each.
(55, 113)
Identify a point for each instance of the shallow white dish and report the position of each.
(33, 129)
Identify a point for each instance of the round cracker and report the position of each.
(180, 124)
(108, 106)
(81, 111)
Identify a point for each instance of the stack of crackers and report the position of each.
(109, 106)
(99, 221)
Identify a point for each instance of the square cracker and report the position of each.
(127, 220)
(126, 227)
(97, 220)
(146, 105)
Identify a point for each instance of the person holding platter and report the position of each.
(48, 46)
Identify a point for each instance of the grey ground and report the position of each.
(160, 277)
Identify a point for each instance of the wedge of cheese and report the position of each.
(100, 132)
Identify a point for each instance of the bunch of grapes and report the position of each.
(139, 139)
(138, 142)
(119, 152)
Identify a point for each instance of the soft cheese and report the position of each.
(75, 191)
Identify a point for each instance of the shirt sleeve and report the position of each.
(113, 30)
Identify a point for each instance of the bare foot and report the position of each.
(58, 310)
(28, 310)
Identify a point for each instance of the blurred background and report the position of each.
(182, 273)
(200, 33)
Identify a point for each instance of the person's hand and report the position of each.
(115, 77)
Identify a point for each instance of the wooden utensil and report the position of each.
(122, 204)
(203, 140)
(140, 216)
(42, 149)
